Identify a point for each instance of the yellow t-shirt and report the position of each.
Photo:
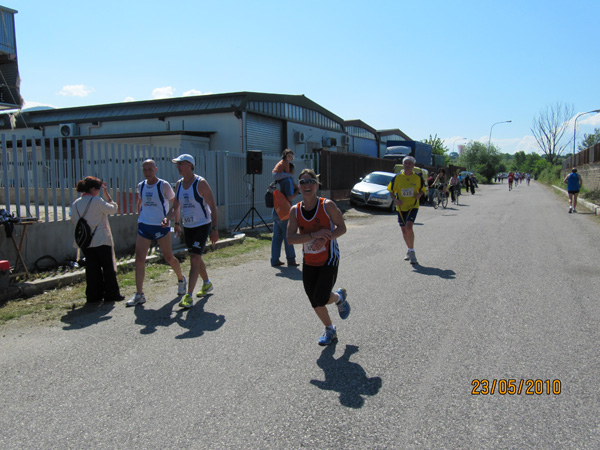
(405, 187)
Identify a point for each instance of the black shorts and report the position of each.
(407, 216)
(573, 192)
(195, 238)
(318, 283)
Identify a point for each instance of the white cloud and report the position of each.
(75, 90)
(192, 92)
(527, 144)
(128, 99)
(591, 120)
(163, 92)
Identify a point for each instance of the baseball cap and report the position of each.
(184, 157)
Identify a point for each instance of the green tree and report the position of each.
(518, 161)
(589, 140)
(484, 160)
(437, 144)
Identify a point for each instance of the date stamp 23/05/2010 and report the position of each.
(485, 386)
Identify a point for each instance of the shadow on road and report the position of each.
(197, 321)
(434, 271)
(153, 318)
(293, 273)
(89, 314)
(347, 378)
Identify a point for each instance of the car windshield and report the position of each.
(378, 178)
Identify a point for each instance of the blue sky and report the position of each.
(451, 68)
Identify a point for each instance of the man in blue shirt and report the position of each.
(573, 181)
(286, 186)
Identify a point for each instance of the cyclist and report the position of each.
(440, 182)
(455, 187)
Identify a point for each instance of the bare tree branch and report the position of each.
(549, 128)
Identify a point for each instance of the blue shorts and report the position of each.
(407, 216)
(152, 232)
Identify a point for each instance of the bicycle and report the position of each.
(443, 199)
(439, 198)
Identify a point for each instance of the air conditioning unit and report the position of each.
(346, 140)
(68, 129)
(300, 137)
(329, 142)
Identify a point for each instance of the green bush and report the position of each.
(592, 196)
(551, 175)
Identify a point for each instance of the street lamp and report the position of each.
(575, 125)
(490, 141)
(457, 139)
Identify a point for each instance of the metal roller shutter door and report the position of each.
(264, 133)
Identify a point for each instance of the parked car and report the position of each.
(372, 190)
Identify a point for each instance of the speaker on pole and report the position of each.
(253, 162)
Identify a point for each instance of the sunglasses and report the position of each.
(311, 181)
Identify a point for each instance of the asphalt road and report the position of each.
(507, 288)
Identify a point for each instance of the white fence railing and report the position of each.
(38, 176)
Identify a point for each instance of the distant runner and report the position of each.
(407, 189)
(573, 182)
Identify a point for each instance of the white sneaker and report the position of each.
(182, 287)
(412, 257)
(137, 299)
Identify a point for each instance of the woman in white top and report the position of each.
(100, 267)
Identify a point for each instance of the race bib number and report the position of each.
(308, 247)
(408, 192)
(187, 220)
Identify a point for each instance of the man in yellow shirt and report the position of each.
(406, 189)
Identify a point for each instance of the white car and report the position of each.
(372, 190)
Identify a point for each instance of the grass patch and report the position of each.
(592, 196)
(51, 305)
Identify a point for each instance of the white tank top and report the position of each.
(154, 205)
(195, 211)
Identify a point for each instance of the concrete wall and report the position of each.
(590, 175)
(56, 239)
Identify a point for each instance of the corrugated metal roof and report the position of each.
(165, 107)
(360, 124)
(392, 132)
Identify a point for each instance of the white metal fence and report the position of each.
(38, 177)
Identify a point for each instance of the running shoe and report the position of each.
(407, 257)
(574, 210)
(182, 287)
(137, 299)
(186, 302)
(412, 257)
(206, 288)
(342, 304)
(329, 336)
(570, 210)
